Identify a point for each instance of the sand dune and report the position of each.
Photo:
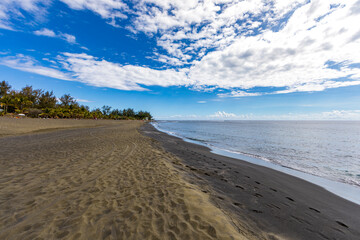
(106, 182)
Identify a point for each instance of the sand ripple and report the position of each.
(100, 183)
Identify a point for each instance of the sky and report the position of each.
(186, 59)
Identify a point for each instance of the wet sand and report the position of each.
(270, 204)
(101, 181)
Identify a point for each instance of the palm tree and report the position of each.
(37, 102)
(21, 101)
(6, 100)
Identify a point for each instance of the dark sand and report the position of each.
(18, 126)
(104, 182)
(271, 204)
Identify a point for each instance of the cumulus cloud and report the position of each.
(296, 57)
(342, 115)
(294, 45)
(222, 114)
(50, 33)
(183, 27)
(253, 43)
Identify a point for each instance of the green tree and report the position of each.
(20, 101)
(4, 88)
(47, 100)
(66, 100)
(129, 112)
(106, 110)
(143, 115)
(32, 95)
(96, 113)
(6, 100)
(37, 102)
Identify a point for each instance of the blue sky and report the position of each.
(185, 59)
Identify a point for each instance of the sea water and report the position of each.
(326, 149)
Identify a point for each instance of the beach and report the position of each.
(269, 203)
(103, 179)
(98, 180)
(17, 126)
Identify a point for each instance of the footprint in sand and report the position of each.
(342, 224)
(289, 198)
(315, 210)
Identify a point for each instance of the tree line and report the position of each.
(41, 103)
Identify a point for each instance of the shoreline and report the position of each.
(343, 190)
(265, 199)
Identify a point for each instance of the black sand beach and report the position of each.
(271, 204)
(98, 182)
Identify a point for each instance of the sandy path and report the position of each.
(100, 183)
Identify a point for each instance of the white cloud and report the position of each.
(45, 32)
(238, 94)
(187, 26)
(296, 57)
(67, 37)
(342, 115)
(50, 33)
(180, 117)
(28, 64)
(222, 114)
(83, 100)
(328, 115)
(233, 45)
(321, 86)
(107, 9)
(5, 25)
(101, 73)
(201, 24)
(10, 9)
(201, 102)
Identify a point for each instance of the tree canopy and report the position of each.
(39, 103)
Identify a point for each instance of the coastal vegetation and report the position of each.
(40, 103)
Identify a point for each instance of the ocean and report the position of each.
(327, 149)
